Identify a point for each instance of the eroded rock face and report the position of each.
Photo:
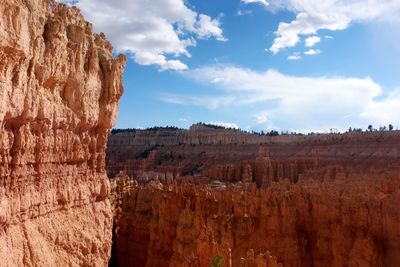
(350, 221)
(329, 200)
(59, 92)
(177, 152)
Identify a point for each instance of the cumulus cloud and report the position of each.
(154, 32)
(207, 28)
(312, 40)
(312, 52)
(305, 24)
(333, 15)
(303, 103)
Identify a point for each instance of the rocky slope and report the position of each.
(60, 87)
(176, 152)
(329, 200)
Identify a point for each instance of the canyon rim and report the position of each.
(305, 200)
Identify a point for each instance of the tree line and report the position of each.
(370, 128)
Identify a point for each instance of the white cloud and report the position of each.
(328, 37)
(312, 52)
(210, 102)
(207, 27)
(261, 2)
(333, 15)
(154, 32)
(224, 124)
(262, 119)
(385, 111)
(295, 56)
(305, 24)
(302, 103)
(242, 12)
(312, 40)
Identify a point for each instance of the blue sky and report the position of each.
(255, 64)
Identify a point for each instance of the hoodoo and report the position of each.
(59, 92)
(250, 200)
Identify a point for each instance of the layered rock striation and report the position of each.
(177, 152)
(347, 221)
(59, 92)
(318, 200)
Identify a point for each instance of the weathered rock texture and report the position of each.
(174, 153)
(345, 222)
(59, 92)
(328, 200)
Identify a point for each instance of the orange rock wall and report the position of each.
(320, 200)
(351, 221)
(187, 152)
(59, 92)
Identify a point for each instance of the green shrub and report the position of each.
(217, 261)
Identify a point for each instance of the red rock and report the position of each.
(329, 200)
(186, 152)
(310, 223)
(60, 87)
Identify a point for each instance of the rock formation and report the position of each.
(59, 92)
(197, 196)
(350, 221)
(174, 152)
(323, 200)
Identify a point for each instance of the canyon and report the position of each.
(60, 87)
(72, 194)
(183, 197)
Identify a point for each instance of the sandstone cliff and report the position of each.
(175, 152)
(323, 200)
(351, 221)
(59, 92)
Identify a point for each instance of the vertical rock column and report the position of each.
(59, 92)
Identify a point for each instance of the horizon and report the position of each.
(255, 64)
(369, 129)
